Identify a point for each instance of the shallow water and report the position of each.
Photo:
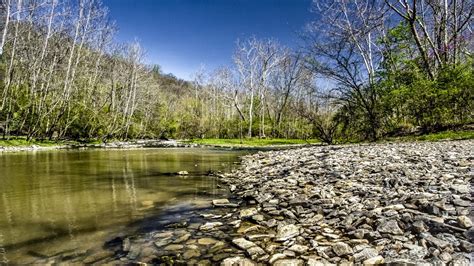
(55, 202)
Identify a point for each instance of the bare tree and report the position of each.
(291, 75)
(255, 61)
(5, 7)
(441, 29)
(343, 48)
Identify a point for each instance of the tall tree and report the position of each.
(343, 48)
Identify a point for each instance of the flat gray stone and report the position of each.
(287, 232)
(390, 227)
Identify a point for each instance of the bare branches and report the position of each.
(439, 28)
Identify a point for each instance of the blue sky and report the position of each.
(182, 35)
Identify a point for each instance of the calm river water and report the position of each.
(54, 202)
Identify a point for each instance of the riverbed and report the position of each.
(70, 202)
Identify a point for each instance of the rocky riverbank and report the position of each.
(352, 204)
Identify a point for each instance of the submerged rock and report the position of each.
(224, 203)
(191, 253)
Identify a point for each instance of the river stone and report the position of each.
(462, 203)
(206, 241)
(203, 263)
(247, 213)
(341, 249)
(255, 252)
(298, 248)
(275, 257)
(374, 260)
(173, 247)
(461, 188)
(217, 246)
(396, 207)
(464, 222)
(466, 246)
(163, 242)
(148, 253)
(365, 254)
(460, 260)
(182, 238)
(360, 233)
(191, 253)
(134, 252)
(220, 256)
(210, 226)
(237, 261)
(287, 232)
(420, 227)
(243, 243)
(445, 257)
(437, 242)
(183, 173)
(416, 252)
(220, 202)
(317, 261)
(259, 236)
(390, 227)
(289, 262)
(166, 234)
(223, 203)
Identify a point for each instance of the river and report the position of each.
(58, 202)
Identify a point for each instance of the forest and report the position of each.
(368, 69)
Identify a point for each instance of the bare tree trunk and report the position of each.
(5, 28)
(250, 114)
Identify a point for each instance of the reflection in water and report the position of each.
(62, 201)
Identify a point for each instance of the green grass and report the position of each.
(22, 142)
(445, 135)
(253, 142)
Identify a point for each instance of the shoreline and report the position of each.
(139, 144)
(231, 145)
(342, 204)
(134, 144)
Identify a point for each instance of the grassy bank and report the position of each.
(256, 142)
(252, 142)
(445, 135)
(23, 142)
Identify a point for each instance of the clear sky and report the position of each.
(182, 35)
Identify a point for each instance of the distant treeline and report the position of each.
(368, 69)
